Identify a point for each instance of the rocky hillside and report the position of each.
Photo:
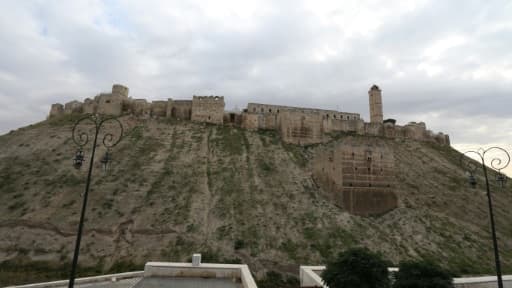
(176, 188)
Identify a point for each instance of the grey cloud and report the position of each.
(175, 49)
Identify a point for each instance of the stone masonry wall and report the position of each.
(141, 108)
(56, 110)
(359, 176)
(73, 107)
(109, 104)
(250, 121)
(209, 109)
(120, 90)
(181, 109)
(296, 125)
(158, 108)
(338, 125)
(277, 109)
(300, 128)
(90, 106)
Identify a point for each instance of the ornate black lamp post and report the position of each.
(81, 139)
(497, 164)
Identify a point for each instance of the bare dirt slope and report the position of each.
(236, 196)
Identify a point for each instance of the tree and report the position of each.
(275, 279)
(357, 267)
(422, 274)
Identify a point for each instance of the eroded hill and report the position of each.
(177, 187)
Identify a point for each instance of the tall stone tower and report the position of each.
(375, 104)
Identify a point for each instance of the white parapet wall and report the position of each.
(85, 280)
(310, 277)
(204, 270)
(482, 282)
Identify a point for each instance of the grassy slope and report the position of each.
(236, 196)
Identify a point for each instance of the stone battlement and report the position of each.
(209, 109)
(120, 90)
(208, 98)
(297, 125)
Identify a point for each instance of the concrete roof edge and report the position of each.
(84, 280)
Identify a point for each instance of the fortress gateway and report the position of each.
(295, 125)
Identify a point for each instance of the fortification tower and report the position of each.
(375, 95)
(118, 89)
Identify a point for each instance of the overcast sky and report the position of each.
(448, 63)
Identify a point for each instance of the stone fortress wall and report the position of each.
(358, 175)
(296, 125)
(117, 102)
(209, 109)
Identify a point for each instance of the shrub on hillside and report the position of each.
(422, 274)
(357, 267)
(275, 279)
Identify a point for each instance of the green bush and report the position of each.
(239, 244)
(422, 274)
(357, 267)
(275, 279)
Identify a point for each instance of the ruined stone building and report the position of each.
(296, 125)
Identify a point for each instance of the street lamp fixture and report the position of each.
(81, 139)
(106, 160)
(472, 180)
(501, 179)
(496, 164)
(79, 158)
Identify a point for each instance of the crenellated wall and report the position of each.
(208, 109)
(302, 126)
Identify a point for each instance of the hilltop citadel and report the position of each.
(358, 174)
(295, 125)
